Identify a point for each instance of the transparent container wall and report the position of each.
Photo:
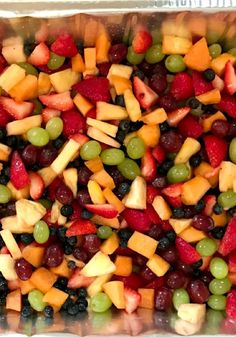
(44, 23)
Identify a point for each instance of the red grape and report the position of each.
(163, 299)
(92, 243)
(64, 194)
(47, 155)
(198, 291)
(117, 53)
(29, 155)
(175, 279)
(203, 222)
(23, 269)
(53, 256)
(171, 141)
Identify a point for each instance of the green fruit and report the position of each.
(112, 156)
(180, 296)
(178, 173)
(227, 199)
(217, 302)
(41, 232)
(90, 150)
(5, 194)
(206, 247)
(29, 69)
(232, 150)
(154, 54)
(38, 136)
(175, 63)
(55, 61)
(135, 148)
(133, 57)
(129, 169)
(220, 287)
(35, 298)
(218, 268)
(38, 107)
(54, 127)
(104, 232)
(215, 50)
(100, 302)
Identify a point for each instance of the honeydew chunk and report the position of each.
(21, 126)
(10, 243)
(189, 148)
(11, 76)
(192, 312)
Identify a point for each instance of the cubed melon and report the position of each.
(207, 171)
(77, 63)
(211, 97)
(155, 117)
(142, 244)
(218, 63)
(94, 165)
(106, 111)
(34, 255)
(55, 297)
(119, 70)
(102, 47)
(194, 189)
(82, 104)
(110, 245)
(5, 152)
(26, 89)
(158, 265)
(220, 220)
(11, 76)
(43, 279)
(44, 84)
(62, 270)
(150, 134)
(198, 56)
(13, 300)
(161, 207)
(123, 265)
(147, 298)
(192, 234)
(115, 291)
(26, 286)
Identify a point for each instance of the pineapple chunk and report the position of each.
(63, 80)
(11, 76)
(106, 111)
(189, 148)
(12, 224)
(44, 84)
(21, 126)
(136, 197)
(5, 152)
(162, 208)
(142, 244)
(192, 312)
(102, 137)
(7, 267)
(119, 70)
(132, 106)
(107, 128)
(158, 265)
(179, 225)
(103, 179)
(96, 286)
(10, 243)
(194, 189)
(95, 193)
(23, 193)
(155, 117)
(29, 212)
(227, 176)
(175, 45)
(100, 264)
(13, 50)
(55, 212)
(110, 245)
(48, 175)
(71, 178)
(186, 328)
(113, 223)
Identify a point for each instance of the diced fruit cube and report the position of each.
(175, 45)
(5, 152)
(64, 80)
(99, 264)
(44, 84)
(192, 234)
(194, 189)
(207, 122)
(7, 267)
(147, 298)
(110, 245)
(136, 197)
(95, 192)
(29, 212)
(13, 300)
(210, 97)
(142, 244)
(11, 243)
(179, 225)
(192, 312)
(189, 148)
(114, 223)
(157, 116)
(218, 63)
(158, 265)
(123, 265)
(198, 56)
(34, 255)
(97, 285)
(115, 290)
(62, 270)
(161, 207)
(11, 76)
(77, 63)
(55, 297)
(150, 134)
(71, 178)
(43, 279)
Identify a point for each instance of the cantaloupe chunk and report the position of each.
(192, 234)
(5, 152)
(161, 207)
(94, 165)
(113, 200)
(198, 56)
(150, 134)
(48, 175)
(142, 244)
(82, 104)
(218, 63)
(123, 265)
(13, 300)
(96, 286)
(34, 255)
(194, 189)
(113, 223)
(43, 279)
(55, 297)
(158, 265)
(44, 84)
(210, 97)
(207, 171)
(179, 225)
(95, 192)
(115, 290)
(175, 45)
(90, 58)
(26, 89)
(102, 47)
(77, 63)
(207, 122)
(26, 286)
(147, 298)
(110, 245)
(103, 179)
(62, 270)
(157, 116)
(220, 220)
(121, 84)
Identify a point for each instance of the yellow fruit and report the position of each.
(207, 122)
(100, 264)
(123, 265)
(44, 84)
(102, 48)
(107, 111)
(179, 225)
(115, 290)
(95, 192)
(191, 234)
(114, 222)
(150, 134)
(219, 219)
(112, 199)
(121, 84)
(158, 265)
(207, 171)
(162, 208)
(90, 58)
(189, 148)
(194, 189)
(26, 89)
(218, 63)
(132, 106)
(198, 56)
(96, 134)
(19, 127)
(82, 104)
(175, 45)
(107, 128)
(155, 117)
(103, 179)
(147, 298)
(110, 245)
(5, 152)
(94, 165)
(210, 97)
(77, 63)
(11, 76)
(142, 244)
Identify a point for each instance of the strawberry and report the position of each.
(152, 214)
(173, 194)
(141, 42)
(190, 127)
(48, 113)
(166, 226)
(132, 300)
(159, 154)
(64, 45)
(73, 122)
(61, 101)
(137, 220)
(79, 138)
(232, 262)
(231, 304)
(187, 253)
(132, 281)
(18, 110)
(92, 113)
(106, 210)
(4, 250)
(152, 192)
(3, 64)
(228, 242)
(230, 78)
(157, 283)
(95, 89)
(216, 149)
(228, 105)
(175, 202)
(52, 188)
(77, 280)
(4, 117)
(18, 174)
(227, 326)
(174, 117)
(210, 201)
(104, 68)
(81, 227)
(218, 83)
(200, 85)
(77, 209)
(36, 185)
(40, 55)
(182, 86)
(148, 166)
(144, 94)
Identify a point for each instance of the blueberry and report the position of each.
(120, 136)
(4, 180)
(195, 160)
(171, 235)
(3, 284)
(85, 214)
(217, 209)
(26, 238)
(71, 265)
(68, 249)
(124, 125)
(135, 126)
(72, 241)
(3, 134)
(125, 233)
(62, 233)
(82, 292)
(48, 311)
(178, 213)
(73, 309)
(218, 232)
(61, 283)
(11, 141)
(139, 74)
(57, 143)
(120, 100)
(67, 210)
(123, 189)
(200, 206)
(164, 243)
(26, 311)
(209, 75)
(28, 47)
(164, 127)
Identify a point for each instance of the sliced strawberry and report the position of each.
(132, 300)
(210, 201)
(152, 214)
(106, 210)
(157, 283)
(52, 188)
(228, 242)
(231, 304)
(200, 85)
(61, 101)
(40, 55)
(64, 45)
(173, 190)
(18, 110)
(137, 220)
(159, 154)
(230, 78)
(218, 83)
(36, 185)
(166, 226)
(104, 68)
(4, 117)
(132, 281)
(232, 262)
(18, 174)
(190, 127)
(78, 281)
(141, 42)
(95, 89)
(48, 113)
(81, 227)
(216, 149)
(182, 86)
(148, 166)
(187, 253)
(228, 105)
(144, 94)
(4, 250)
(3, 64)
(77, 209)
(174, 117)
(92, 113)
(79, 138)
(73, 123)
(152, 192)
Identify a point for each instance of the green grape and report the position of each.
(217, 302)
(35, 298)
(175, 63)
(46, 203)
(220, 287)
(55, 61)
(100, 302)
(180, 296)
(212, 37)
(206, 247)
(38, 107)
(54, 127)
(135, 148)
(178, 173)
(213, 320)
(232, 51)
(104, 232)
(227, 199)
(29, 69)
(38, 136)
(218, 268)
(134, 58)
(41, 232)
(215, 50)
(101, 319)
(129, 169)
(232, 150)
(90, 150)
(112, 156)
(5, 194)
(154, 54)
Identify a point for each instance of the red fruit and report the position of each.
(4, 117)
(3, 64)
(232, 262)
(18, 110)
(94, 88)
(200, 85)
(77, 280)
(92, 113)
(13, 284)
(231, 304)
(182, 86)
(148, 166)
(173, 194)
(230, 78)
(141, 42)
(144, 94)
(18, 174)
(61, 101)
(157, 283)
(228, 242)
(79, 138)
(152, 192)
(4, 250)
(73, 123)
(216, 149)
(64, 45)
(52, 188)
(137, 220)
(132, 281)
(81, 227)
(36, 185)
(228, 105)
(77, 209)
(210, 201)
(104, 68)
(228, 326)
(40, 55)
(218, 83)
(132, 300)
(187, 253)
(166, 226)
(159, 154)
(106, 210)
(174, 117)
(190, 127)
(48, 113)
(152, 214)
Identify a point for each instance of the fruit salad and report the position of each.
(118, 175)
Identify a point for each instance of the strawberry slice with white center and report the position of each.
(106, 210)
(230, 78)
(141, 42)
(40, 55)
(81, 227)
(18, 174)
(18, 110)
(148, 166)
(36, 185)
(77, 280)
(61, 101)
(144, 94)
(132, 300)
